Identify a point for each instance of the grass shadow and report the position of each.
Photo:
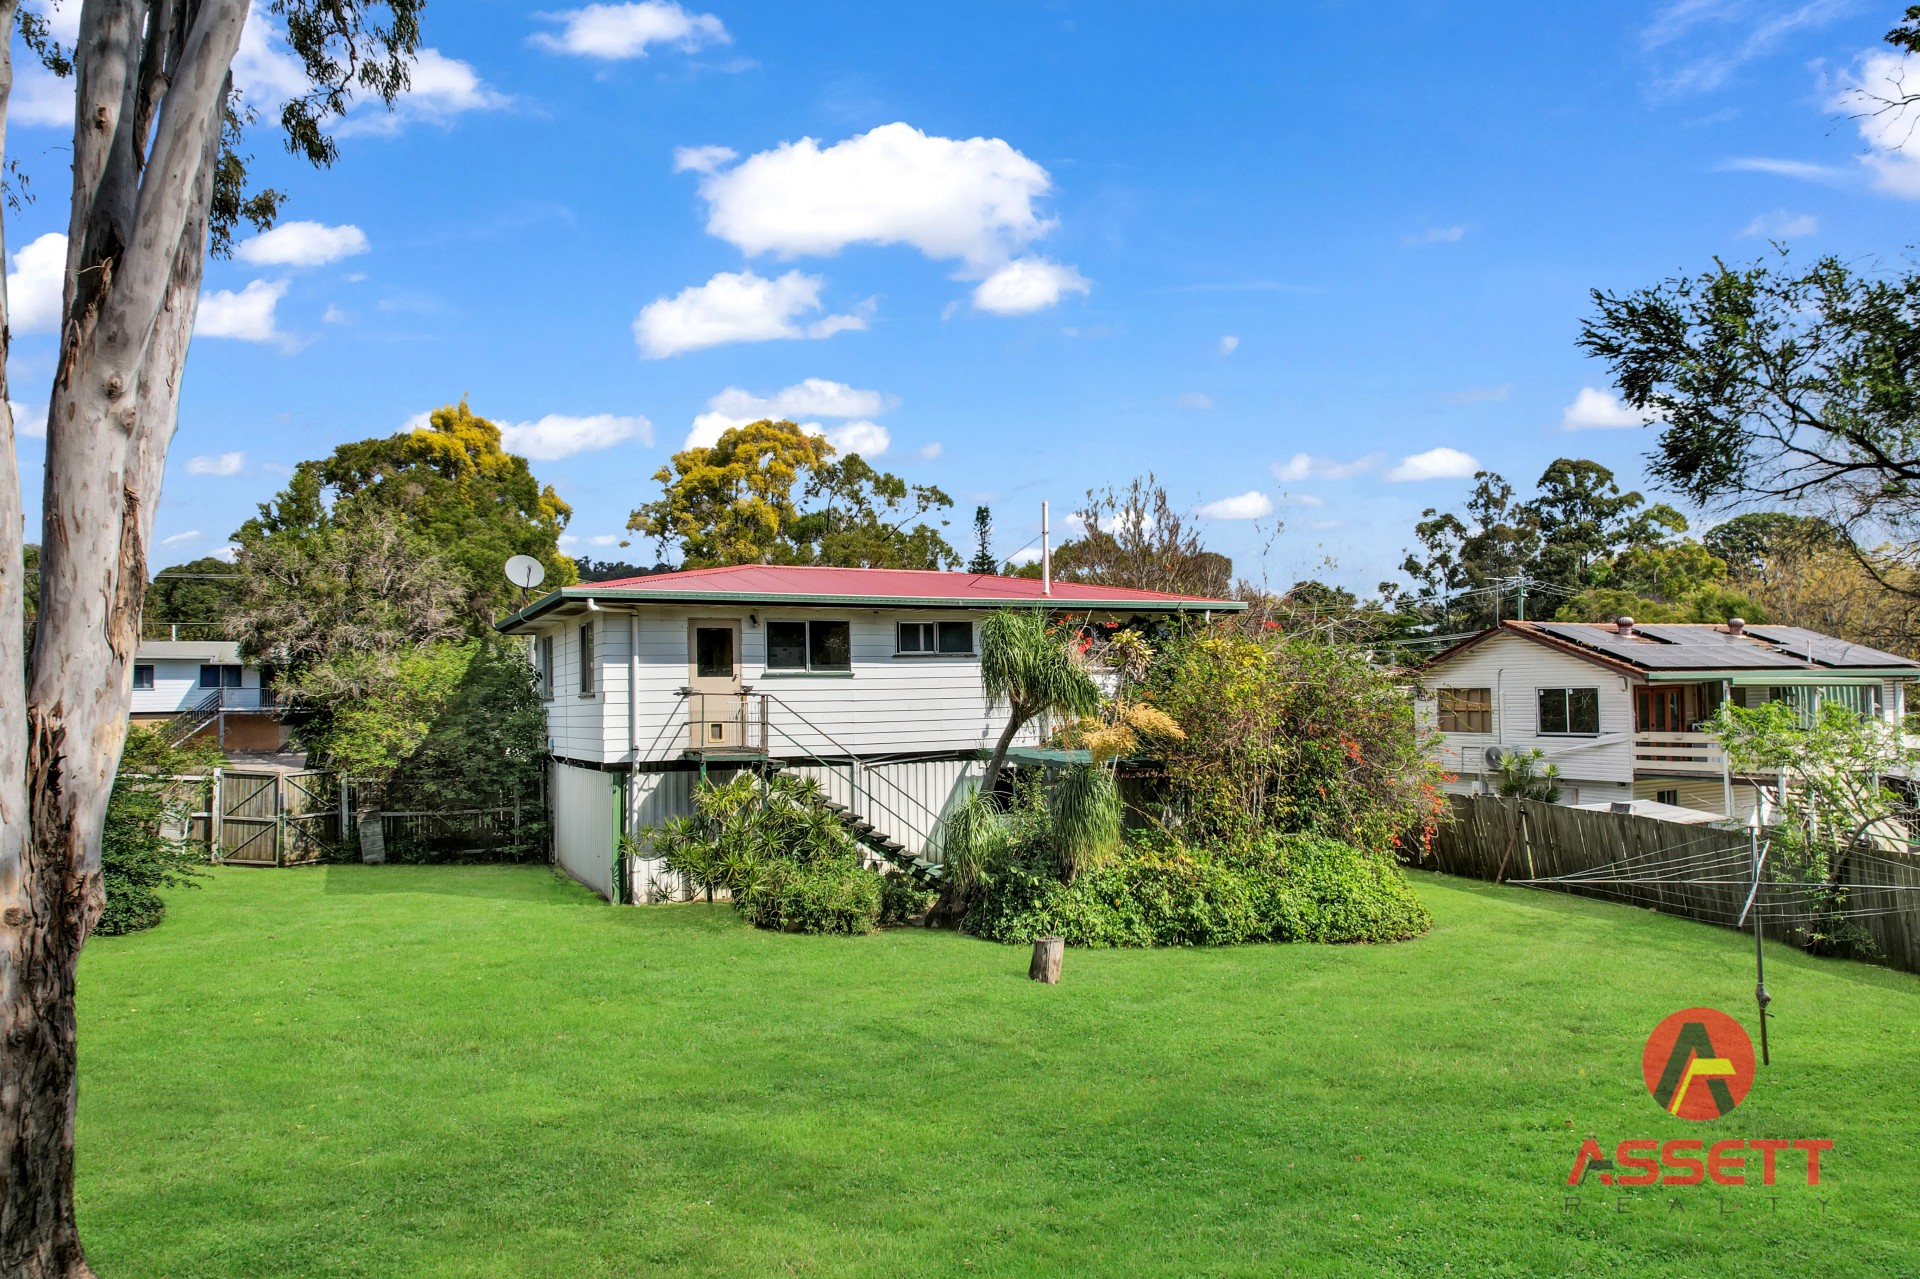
(503, 882)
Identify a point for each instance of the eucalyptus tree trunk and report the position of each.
(151, 94)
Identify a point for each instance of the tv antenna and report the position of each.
(525, 572)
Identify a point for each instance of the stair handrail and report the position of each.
(184, 723)
(933, 819)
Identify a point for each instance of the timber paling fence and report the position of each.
(299, 818)
(1696, 872)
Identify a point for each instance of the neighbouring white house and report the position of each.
(866, 679)
(1620, 707)
(201, 688)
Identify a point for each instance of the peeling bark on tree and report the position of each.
(152, 88)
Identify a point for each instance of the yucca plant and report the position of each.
(1085, 806)
(1031, 670)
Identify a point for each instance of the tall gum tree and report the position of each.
(157, 182)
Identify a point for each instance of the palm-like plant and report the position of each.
(1031, 671)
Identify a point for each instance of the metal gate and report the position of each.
(274, 819)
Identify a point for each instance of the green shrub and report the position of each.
(834, 898)
(136, 858)
(1157, 893)
(901, 898)
(1333, 892)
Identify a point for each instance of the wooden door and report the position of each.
(1659, 710)
(716, 706)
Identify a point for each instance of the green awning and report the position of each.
(1035, 755)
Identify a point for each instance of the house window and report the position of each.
(809, 646)
(544, 656)
(1569, 712)
(1466, 710)
(713, 652)
(923, 639)
(1667, 797)
(586, 659)
(212, 676)
(143, 677)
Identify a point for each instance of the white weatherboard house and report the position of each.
(200, 688)
(1620, 707)
(866, 679)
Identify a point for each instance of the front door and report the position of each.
(716, 707)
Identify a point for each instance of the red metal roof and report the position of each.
(775, 580)
(901, 588)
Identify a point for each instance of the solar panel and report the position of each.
(1827, 650)
(1655, 652)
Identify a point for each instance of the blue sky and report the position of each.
(1308, 261)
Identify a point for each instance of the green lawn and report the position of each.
(428, 1072)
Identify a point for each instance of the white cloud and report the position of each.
(813, 397)
(439, 90)
(736, 307)
(1025, 555)
(1229, 344)
(418, 422)
(604, 539)
(302, 244)
(617, 31)
(334, 315)
(29, 423)
(868, 439)
(36, 282)
(1302, 499)
(1028, 284)
(1303, 466)
(39, 96)
(1876, 80)
(1800, 169)
(810, 397)
(701, 159)
(229, 552)
(1597, 410)
(247, 315)
(264, 69)
(1434, 464)
(1781, 225)
(1195, 400)
(1758, 29)
(972, 200)
(931, 452)
(1435, 235)
(223, 464)
(180, 539)
(556, 436)
(1251, 505)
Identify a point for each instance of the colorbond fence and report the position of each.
(1696, 872)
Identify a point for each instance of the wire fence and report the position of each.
(1696, 872)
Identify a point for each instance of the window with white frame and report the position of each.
(933, 639)
(543, 659)
(1569, 712)
(809, 646)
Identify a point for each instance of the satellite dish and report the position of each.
(526, 572)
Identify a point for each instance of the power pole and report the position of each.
(1520, 600)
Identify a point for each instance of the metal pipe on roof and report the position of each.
(1046, 553)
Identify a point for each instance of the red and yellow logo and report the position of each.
(1698, 1064)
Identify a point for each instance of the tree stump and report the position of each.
(1047, 954)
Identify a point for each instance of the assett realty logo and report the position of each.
(1698, 1065)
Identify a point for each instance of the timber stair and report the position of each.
(884, 846)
